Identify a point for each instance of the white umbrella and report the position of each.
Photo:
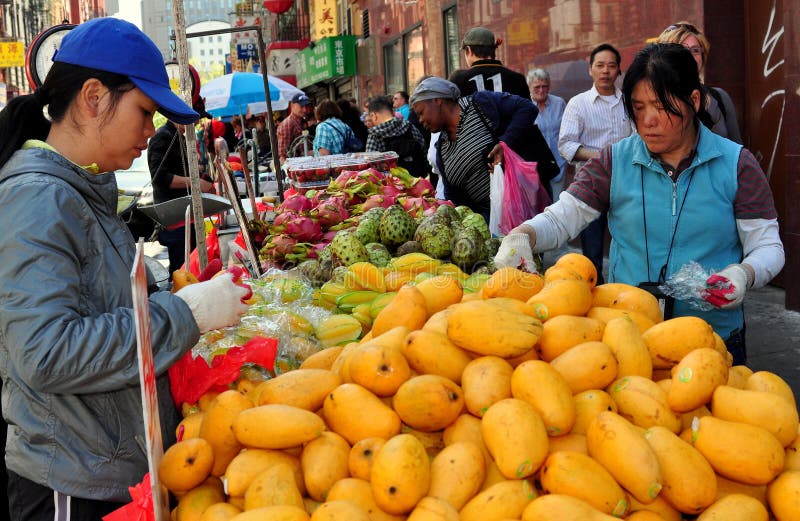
(243, 92)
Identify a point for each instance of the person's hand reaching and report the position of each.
(215, 303)
(726, 288)
(515, 251)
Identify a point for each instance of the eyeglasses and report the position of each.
(697, 51)
(682, 25)
(540, 87)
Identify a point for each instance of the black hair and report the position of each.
(483, 51)
(404, 94)
(672, 73)
(380, 103)
(23, 118)
(605, 47)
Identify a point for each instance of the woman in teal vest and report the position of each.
(675, 192)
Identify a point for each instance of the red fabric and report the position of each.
(141, 506)
(217, 128)
(191, 377)
(212, 247)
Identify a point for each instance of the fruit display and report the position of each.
(511, 401)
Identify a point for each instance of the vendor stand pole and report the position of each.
(248, 184)
(182, 53)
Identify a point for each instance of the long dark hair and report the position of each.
(23, 118)
(672, 72)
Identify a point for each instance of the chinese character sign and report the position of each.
(326, 19)
(12, 54)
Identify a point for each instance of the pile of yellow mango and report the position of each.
(533, 398)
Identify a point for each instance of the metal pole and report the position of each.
(182, 52)
(273, 135)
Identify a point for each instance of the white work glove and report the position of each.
(726, 288)
(515, 251)
(215, 303)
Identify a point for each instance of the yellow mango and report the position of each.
(398, 492)
(513, 283)
(485, 380)
(695, 378)
(193, 503)
(605, 314)
(770, 383)
(669, 341)
(428, 402)
(783, 496)
(542, 386)
(322, 359)
(759, 408)
(639, 300)
(738, 375)
(220, 512)
(347, 407)
(580, 264)
(340, 510)
(590, 365)
(793, 454)
(659, 506)
(341, 365)
(303, 388)
(407, 309)
(644, 403)
(488, 329)
(437, 322)
(622, 450)
(273, 513)
(440, 292)
(432, 441)
(276, 426)
(623, 337)
(457, 473)
(516, 437)
(433, 509)
(379, 367)
(564, 508)
(565, 331)
(274, 485)
(690, 484)
(249, 463)
(749, 454)
(555, 272)
(589, 404)
(572, 442)
(467, 428)
(736, 507)
(604, 294)
(503, 500)
(186, 464)
(359, 491)
(726, 487)
(361, 456)
(431, 352)
(189, 427)
(216, 427)
(580, 476)
(562, 297)
(324, 461)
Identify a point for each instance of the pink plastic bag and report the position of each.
(524, 195)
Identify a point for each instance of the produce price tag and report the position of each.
(147, 381)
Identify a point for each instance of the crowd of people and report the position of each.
(659, 158)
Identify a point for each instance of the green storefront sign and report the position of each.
(331, 57)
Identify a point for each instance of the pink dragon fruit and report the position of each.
(390, 190)
(328, 237)
(304, 229)
(297, 203)
(331, 211)
(372, 176)
(414, 206)
(373, 201)
(421, 188)
(282, 218)
(278, 246)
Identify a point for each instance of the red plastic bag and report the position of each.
(524, 195)
(191, 377)
(212, 247)
(141, 506)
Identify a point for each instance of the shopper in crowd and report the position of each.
(401, 106)
(470, 130)
(592, 120)
(169, 172)
(389, 133)
(675, 192)
(352, 118)
(718, 102)
(551, 110)
(71, 395)
(290, 128)
(332, 135)
(484, 71)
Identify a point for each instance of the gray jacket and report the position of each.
(68, 360)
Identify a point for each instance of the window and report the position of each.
(393, 66)
(404, 61)
(452, 47)
(365, 23)
(202, 52)
(414, 56)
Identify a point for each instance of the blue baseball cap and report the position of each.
(114, 45)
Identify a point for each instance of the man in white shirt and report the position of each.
(592, 120)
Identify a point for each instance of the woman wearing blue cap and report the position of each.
(71, 394)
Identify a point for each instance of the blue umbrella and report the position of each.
(230, 94)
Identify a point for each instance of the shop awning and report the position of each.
(329, 58)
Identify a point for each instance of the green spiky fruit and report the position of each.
(467, 248)
(476, 220)
(436, 241)
(378, 254)
(396, 227)
(346, 249)
(367, 230)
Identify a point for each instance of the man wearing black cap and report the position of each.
(294, 124)
(485, 72)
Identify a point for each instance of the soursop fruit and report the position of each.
(346, 249)
(325, 254)
(396, 227)
(374, 213)
(476, 220)
(463, 211)
(490, 247)
(338, 274)
(409, 247)
(315, 271)
(436, 241)
(378, 254)
(448, 212)
(367, 230)
(428, 223)
(467, 248)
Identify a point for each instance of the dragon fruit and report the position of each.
(390, 190)
(331, 211)
(297, 203)
(304, 229)
(278, 246)
(421, 188)
(413, 205)
(281, 219)
(378, 200)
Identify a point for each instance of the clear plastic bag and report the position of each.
(688, 284)
(524, 195)
(496, 189)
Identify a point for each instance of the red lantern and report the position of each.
(278, 6)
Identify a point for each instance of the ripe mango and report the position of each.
(398, 492)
